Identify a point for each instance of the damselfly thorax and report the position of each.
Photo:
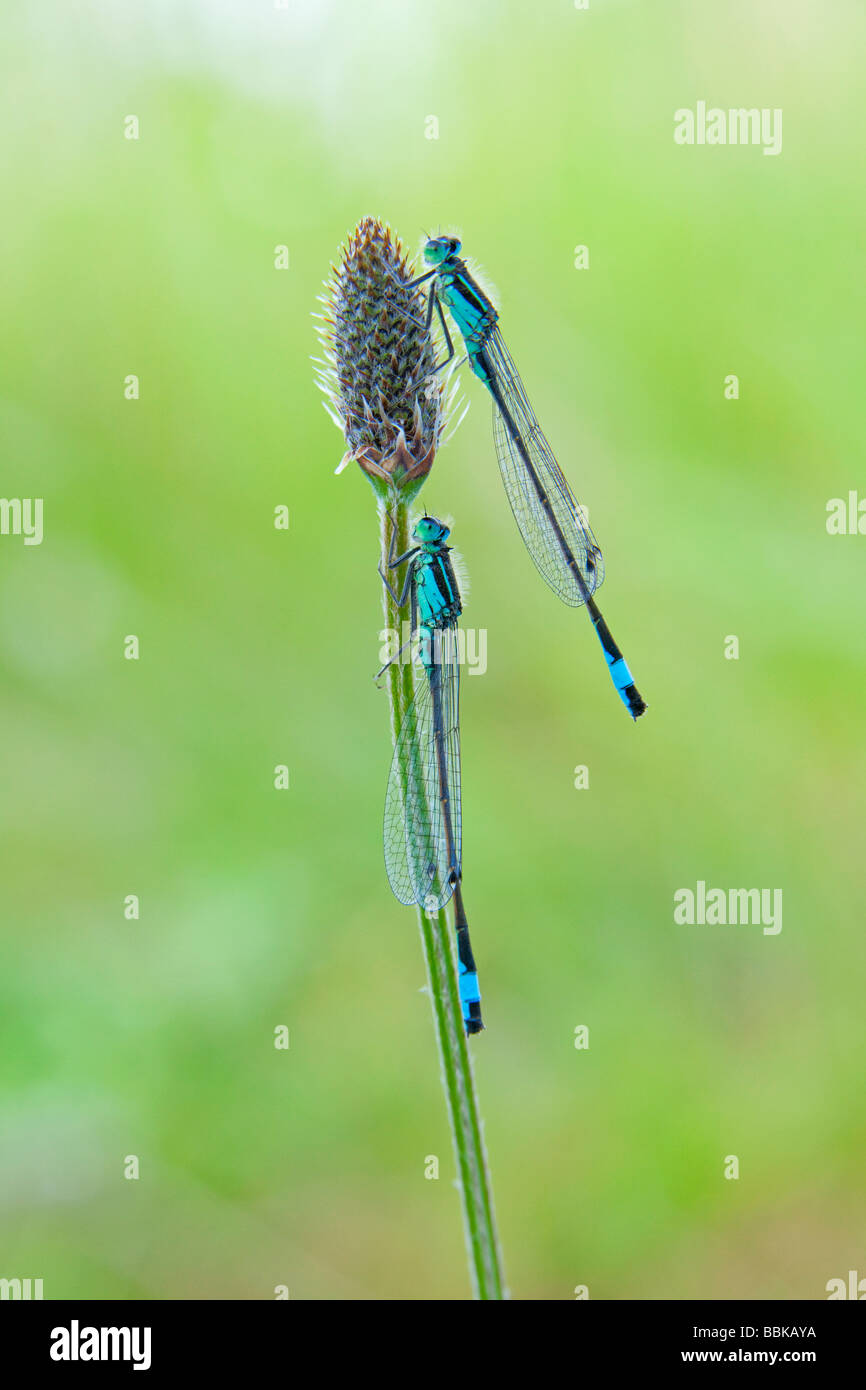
(436, 591)
(470, 308)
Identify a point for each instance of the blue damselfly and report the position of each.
(554, 528)
(423, 822)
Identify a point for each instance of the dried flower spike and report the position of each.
(378, 360)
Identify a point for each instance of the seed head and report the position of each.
(376, 372)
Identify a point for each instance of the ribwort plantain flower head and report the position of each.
(376, 372)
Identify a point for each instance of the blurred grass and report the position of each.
(259, 908)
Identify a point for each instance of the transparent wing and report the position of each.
(535, 524)
(422, 831)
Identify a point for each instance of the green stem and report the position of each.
(437, 938)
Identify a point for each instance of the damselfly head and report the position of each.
(439, 248)
(429, 531)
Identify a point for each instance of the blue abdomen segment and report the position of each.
(469, 991)
(470, 999)
(617, 666)
(620, 674)
(467, 976)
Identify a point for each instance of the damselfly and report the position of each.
(423, 827)
(553, 526)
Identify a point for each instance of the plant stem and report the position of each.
(437, 938)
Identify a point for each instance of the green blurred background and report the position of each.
(261, 126)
